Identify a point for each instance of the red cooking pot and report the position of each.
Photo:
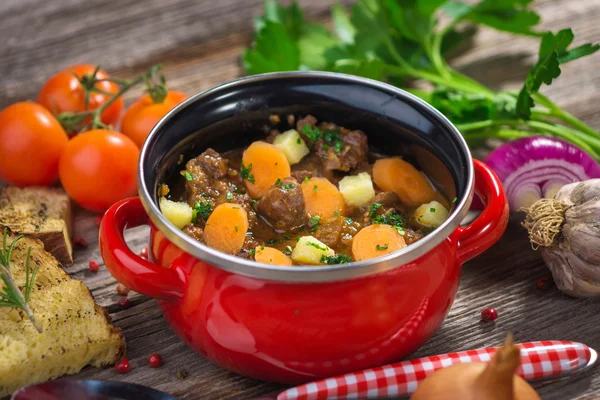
(295, 324)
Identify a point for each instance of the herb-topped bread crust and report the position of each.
(76, 331)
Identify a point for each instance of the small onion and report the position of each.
(537, 167)
(495, 380)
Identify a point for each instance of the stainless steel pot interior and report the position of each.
(234, 114)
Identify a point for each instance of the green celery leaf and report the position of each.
(553, 51)
(274, 50)
(505, 15)
(342, 25)
(366, 68)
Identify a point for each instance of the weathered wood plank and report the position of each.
(199, 42)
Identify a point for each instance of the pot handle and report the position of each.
(489, 226)
(131, 270)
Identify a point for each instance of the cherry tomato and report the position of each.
(140, 118)
(31, 142)
(63, 92)
(98, 168)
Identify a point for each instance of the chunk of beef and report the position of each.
(309, 167)
(352, 151)
(338, 148)
(206, 170)
(213, 182)
(411, 236)
(330, 231)
(194, 231)
(282, 206)
(250, 244)
(310, 120)
(390, 202)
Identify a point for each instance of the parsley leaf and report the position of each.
(314, 223)
(245, 173)
(202, 209)
(274, 50)
(188, 176)
(553, 51)
(337, 259)
(312, 133)
(373, 208)
(316, 246)
(505, 15)
(381, 247)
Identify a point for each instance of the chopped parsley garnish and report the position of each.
(454, 200)
(188, 176)
(245, 173)
(314, 223)
(336, 214)
(381, 247)
(305, 179)
(337, 259)
(316, 245)
(348, 220)
(299, 141)
(392, 218)
(202, 209)
(288, 250)
(205, 195)
(236, 228)
(373, 208)
(287, 237)
(252, 252)
(312, 133)
(284, 186)
(316, 188)
(229, 196)
(432, 210)
(274, 241)
(331, 137)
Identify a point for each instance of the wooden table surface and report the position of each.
(199, 43)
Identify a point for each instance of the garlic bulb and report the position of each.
(567, 231)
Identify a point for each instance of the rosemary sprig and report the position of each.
(10, 294)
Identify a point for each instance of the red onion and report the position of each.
(538, 166)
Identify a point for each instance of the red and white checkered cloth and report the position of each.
(538, 360)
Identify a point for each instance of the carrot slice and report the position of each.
(262, 165)
(226, 228)
(322, 198)
(270, 255)
(376, 240)
(397, 175)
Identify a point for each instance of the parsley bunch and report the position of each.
(401, 40)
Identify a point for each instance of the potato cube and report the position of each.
(179, 213)
(292, 145)
(357, 189)
(309, 250)
(431, 215)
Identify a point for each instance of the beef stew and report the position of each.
(312, 195)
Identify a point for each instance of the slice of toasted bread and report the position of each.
(40, 212)
(76, 331)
